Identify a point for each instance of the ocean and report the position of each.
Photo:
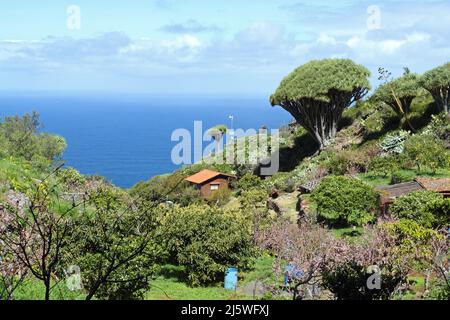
(127, 138)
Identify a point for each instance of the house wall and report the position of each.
(205, 188)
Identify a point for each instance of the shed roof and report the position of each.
(400, 189)
(437, 185)
(206, 175)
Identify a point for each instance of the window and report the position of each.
(214, 187)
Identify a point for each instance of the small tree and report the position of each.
(12, 270)
(112, 246)
(206, 240)
(38, 236)
(437, 82)
(426, 151)
(398, 93)
(387, 252)
(307, 247)
(317, 93)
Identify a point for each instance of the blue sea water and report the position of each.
(127, 138)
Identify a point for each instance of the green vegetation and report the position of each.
(206, 241)
(162, 240)
(437, 82)
(424, 207)
(425, 151)
(344, 201)
(20, 137)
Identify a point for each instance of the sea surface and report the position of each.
(127, 138)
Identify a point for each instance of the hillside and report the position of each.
(325, 222)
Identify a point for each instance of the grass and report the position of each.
(32, 289)
(169, 286)
(416, 288)
(408, 174)
(172, 289)
(348, 232)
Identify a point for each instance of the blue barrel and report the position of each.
(231, 279)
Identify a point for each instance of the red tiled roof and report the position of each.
(206, 175)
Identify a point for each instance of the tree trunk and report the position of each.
(47, 289)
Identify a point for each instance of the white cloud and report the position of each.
(326, 39)
(361, 44)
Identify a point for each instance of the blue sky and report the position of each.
(208, 46)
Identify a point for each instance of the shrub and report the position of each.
(351, 266)
(206, 241)
(348, 281)
(249, 181)
(383, 166)
(414, 207)
(343, 201)
(71, 178)
(167, 188)
(412, 240)
(340, 163)
(440, 209)
(427, 151)
(440, 291)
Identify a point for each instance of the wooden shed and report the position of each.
(390, 193)
(208, 181)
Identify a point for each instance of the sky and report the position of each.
(208, 46)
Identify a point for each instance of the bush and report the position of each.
(343, 162)
(414, 207)
(440, 291)
(167, 188)
(111, 238)
(71, 178)
(206, 241)
(440, 209)
(249, 181)
(344, 201)
(391, 249)
(412, 240)
(383, 166)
